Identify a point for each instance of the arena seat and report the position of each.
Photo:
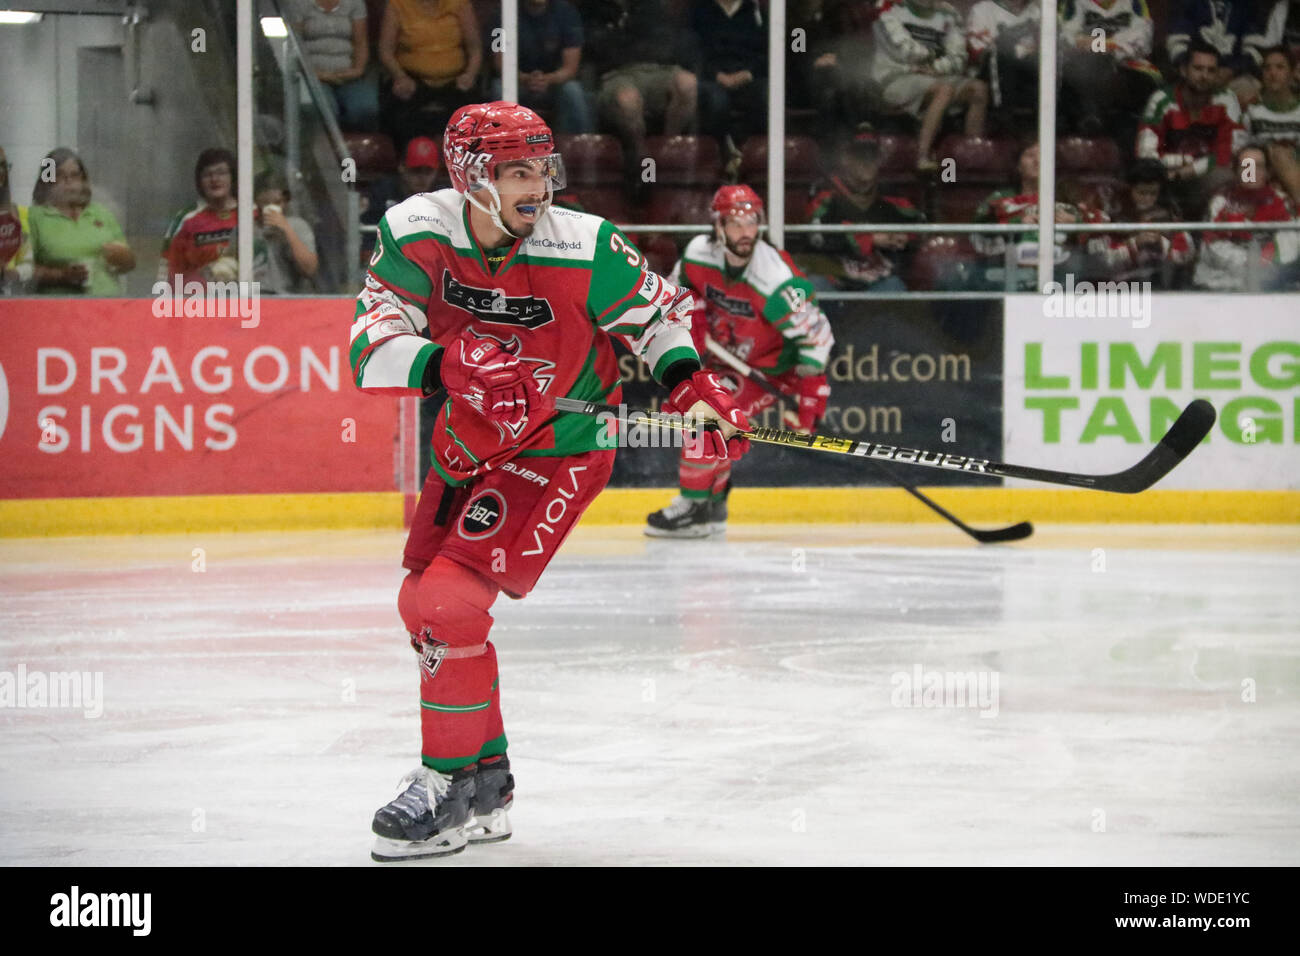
(897, 156)
(938, 262)
(374, 154)
(675, 205)
(590, 159)
(802, 160)
(1095, 156)
(685, 160)
(979, 159)
(608, 202)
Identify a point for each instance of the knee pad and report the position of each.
(445, 609)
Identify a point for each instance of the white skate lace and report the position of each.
(421, 788)
(678, 507)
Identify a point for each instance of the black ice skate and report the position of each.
(426, 819)
(494, 787)
(683, 518)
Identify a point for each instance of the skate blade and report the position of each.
(493, 828)
(394, 851)
(695, 531)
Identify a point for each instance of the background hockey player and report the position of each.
(759, 306)
(487, 293)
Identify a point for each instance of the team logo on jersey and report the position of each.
(493, 305)
(432, 651)
(728, 303)
(483, 517)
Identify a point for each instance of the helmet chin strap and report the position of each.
(493, 212)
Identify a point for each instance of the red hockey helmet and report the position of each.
(481, 136)
(735, 201)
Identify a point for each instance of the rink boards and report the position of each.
(116, 417)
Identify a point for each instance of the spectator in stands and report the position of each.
(1108, 78)
(432, 52)
(1274, 121)
(284, 250)
(1228, 26)
(644, 62)
(1224, 260)
(416, 173)
(1193, 130)
(1002, 39)
(828, 71)
(733, 73)
(550, 52)
(15, 258)
(1019, 204)
(337, 46)
(918, 66)
(875, 261)
(78, 247)
(1281, 28)
(1156, 257)
(200, 241)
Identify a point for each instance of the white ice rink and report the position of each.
(675, 702)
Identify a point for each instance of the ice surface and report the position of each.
(674, 702)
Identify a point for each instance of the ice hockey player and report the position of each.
(759, 306)
(487, 293)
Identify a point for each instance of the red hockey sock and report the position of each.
(696, 477)
(494, 736)
(721, 476)
(447, 607)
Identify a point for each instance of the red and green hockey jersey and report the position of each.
(553, 302)
(1175, 134)
(767, 314)
(196, 238)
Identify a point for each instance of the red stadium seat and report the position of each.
(937, 258)
(1094, 157)
(374, 155)
(979, 159)
(955, 203)
(660, 251)
(685, 160)
(802, 160)
(608, 202)
(897, 156)
(591, 159)
(678, 206)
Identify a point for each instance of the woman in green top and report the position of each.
(77, 245)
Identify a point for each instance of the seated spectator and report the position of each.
(337, 46)
(643, 61)
(875, 261)
(1193, 130)
(15, 257)
(1225, 25)
(550, 52)
(919, 65)
(1002, 39)
(78, 247)
(733, 73)
(1156, 257)
(1274, 121)
(1224, 259)
(200, 242)
(416, 173)
(284, 250)
(1019, 204)
(1107, 81)
(1281, 28)
(432, 52)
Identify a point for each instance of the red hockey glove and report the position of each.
(814, 392)
(703, 396)
(493, 382)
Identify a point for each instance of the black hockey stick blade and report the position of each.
(1182, 438)
(1014, 532)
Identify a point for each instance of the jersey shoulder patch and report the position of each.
(438, 214)
(767, 270)
(704, 250)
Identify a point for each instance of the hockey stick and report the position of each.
(1014, 532)
(1184, 435)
